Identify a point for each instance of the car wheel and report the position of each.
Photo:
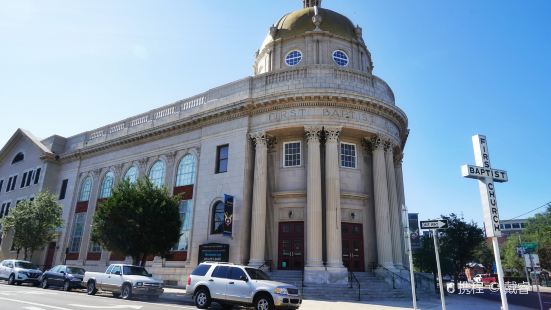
(17, 283)
(263, 302)
(67, 286)
(202, 299)
(126, 292)
(91, 288)
(44, 283)
(11, 279)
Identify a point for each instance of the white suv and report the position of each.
(19, 271)
(229, 285)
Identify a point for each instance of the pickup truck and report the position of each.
(123, 281)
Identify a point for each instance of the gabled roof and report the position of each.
(18, 135)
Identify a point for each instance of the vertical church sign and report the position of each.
(228, 215)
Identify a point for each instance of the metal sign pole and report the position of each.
(538, 280)
(500, 279)
(410, 256)
(435, 238)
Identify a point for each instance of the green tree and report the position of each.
(484, 255)
(138, 220)
(33, 222)
(459, 243)
(538, 230)
(424, 258)
(510, 260)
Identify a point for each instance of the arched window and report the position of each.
(217, 226)
(157, 173)
(186, 171)
(107, 185)
(18, 157)
(131, 174)
(85, 189)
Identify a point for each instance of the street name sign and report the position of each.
(434, 224)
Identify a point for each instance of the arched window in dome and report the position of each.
(131, 174)
(85, 189)
(186, 171)
(293, 58)
(107, 185)
(18, 157)
(157, 173)
(340, 58)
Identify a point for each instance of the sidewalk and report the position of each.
(453, 302)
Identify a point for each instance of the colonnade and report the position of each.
(387, 199)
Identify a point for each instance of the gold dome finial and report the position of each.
(311, 3)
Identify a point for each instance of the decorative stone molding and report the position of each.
(96, 173)
(170, 157)
(388, 145)
(374, 143)
(332, 133)
(118, 169)
(398, 159)
(142, 163)
(264, 139)
(313, 133)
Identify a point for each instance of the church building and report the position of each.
(309, 148)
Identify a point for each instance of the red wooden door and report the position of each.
(353, 247)
(49, 255)
(291, 246)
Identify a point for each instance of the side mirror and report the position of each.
(118, 273)
(62, 272)
(244, 278)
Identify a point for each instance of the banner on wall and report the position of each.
(414, 231)
(228, 215)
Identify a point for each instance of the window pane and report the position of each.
(186, 171)
(292, 154)
(186, 215)
(107, 185)
(218, 218)
(78, 229)
(85, 189)
(157, 174)
(131, 174)
(348, 155)
(220, 272)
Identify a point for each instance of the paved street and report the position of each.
(32, 298)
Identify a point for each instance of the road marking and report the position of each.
(33, 308)
(107, 307)
(11, 293)
(34, 304)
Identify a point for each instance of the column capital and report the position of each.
(374, 143)
(332, 133)
(389, 146)
(313, 133)
(260, 138)
(170, 157)
(398, 158)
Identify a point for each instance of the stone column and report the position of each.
(314, 257)
(394, 205)
(333, 197)
(401, 202)
(258, 220)
(382, 216)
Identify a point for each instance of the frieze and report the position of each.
(342, 115)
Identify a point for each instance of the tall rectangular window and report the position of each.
(23, 180)
(186, 215)
(29, 178)
(1, 184)
(7, 210)
(76, 236)
(13, 183)
(37, 176)
(9, 184)
(291, 154)
(222, 157)
(348, 155)
(2, 211)
(63, 189)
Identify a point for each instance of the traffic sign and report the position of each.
(434, 224)
(529, 247)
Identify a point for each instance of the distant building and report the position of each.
(511, 227)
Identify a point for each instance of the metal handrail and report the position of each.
(393, 275)
(352, 276)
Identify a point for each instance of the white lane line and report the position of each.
(34, 304)
(108, 307)
(33, 308)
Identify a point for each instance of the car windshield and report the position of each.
(135, 271)
(75, 270)
(25, 265)
(257, 274)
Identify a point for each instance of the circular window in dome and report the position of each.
(340, 58)
(293, 58)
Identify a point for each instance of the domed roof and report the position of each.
(300, 21)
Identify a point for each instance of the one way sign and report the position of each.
(434, 224)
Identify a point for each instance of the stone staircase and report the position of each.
(371, 288)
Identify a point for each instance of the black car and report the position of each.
(63, 276)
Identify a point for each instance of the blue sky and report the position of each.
(457, 68)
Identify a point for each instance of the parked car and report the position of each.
(123, 280)
(229, 285)
(63, 276)
(19, 271)
(488, 278)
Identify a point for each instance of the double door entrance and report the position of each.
(291, 246)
